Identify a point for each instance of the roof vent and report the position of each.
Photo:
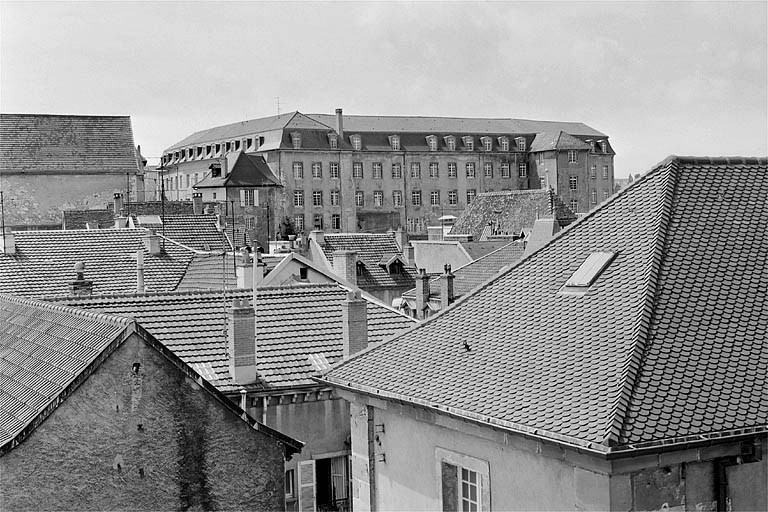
(588, 272)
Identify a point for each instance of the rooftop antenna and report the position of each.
(278, 104)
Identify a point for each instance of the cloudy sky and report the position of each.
(659, 78)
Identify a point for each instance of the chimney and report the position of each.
(354, 317)
(9, 242)
(152, 243)
(259, 271)
(244, 270)
(139, 271)
(221, 222)
(409, 255)
(241, 341)
(118, 205)
(318, 236)
(345, 265)
(224, 167)
(422, 293)
(401, 238)
(434, 232)
(339, 123)
(197, 203)
(446, 288)
(80, 287)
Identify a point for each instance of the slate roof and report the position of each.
(244, 171)
(292, 322)
(198, 232)
(66, 144)
(512, 211)
(668, 342)
(43, 265)
(370, 248)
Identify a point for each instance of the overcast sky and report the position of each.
(658, 78)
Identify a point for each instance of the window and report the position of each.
(296, 139)
(604, 146)
(520, 141)
(471, 193)
(452, 170)
(334, 170)
(194, 182)
(334, 198)
(605, 195)
(542, 182)
(250, 222)
(298, 170)
(298, 221)
(397, 172)
(469, 490)
(397, 198)
(377, 172)
(317, 221)
(589, 270)
(335, 221)
(487, 143)
(317, 198)
(416, 197)
(378, 198)
(333, 140)
(434, 171)
(574, 206)
(317, 170)
(572, 156)
(434, 198)
(540, 158)
(605, 172)
(470, 169)
(359, 198)
(450, 142)
(290, 488)
(488, 170)
(593, 171)
(357, 142)
(505, 170)
(453, 197)
(504, 143)
(594, 197)
(214, 196)
(394, 141)
(298, 198)
(357, 170)
(414, 225)
(464, 481)
(432, 143)
(522, 170)
(248, 197)
(415, 170)
(469, 143)
(573, 183)
(187, 181)
(591, 146)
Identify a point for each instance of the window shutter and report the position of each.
(242, 197)
(307, 486)
(256, 197)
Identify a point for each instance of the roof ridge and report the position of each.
(641, 328)
(174, 293)
(115, 320)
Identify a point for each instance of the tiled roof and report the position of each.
(433, 255)
(88, 219)
(199, 232)
(43, 265)
(64, 144)
(370, 248)
(209, 272)
(512, 211)
(668, 342)
(478, 249)
(43, 349)
(292, 322)
(244, 171)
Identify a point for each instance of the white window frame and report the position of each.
(432, 143)
(434, 170)
(573, 183)
(593, 171)
(317, 198)
(573, 156)
(416, 170)
(471, 192)
(504, 143)
(522, 170)
(505, 171)
(357, 142)
(359, 199)
(434, 198)
(298, 199)
(378, 198)
(520, 141)
(605, 172)
(487, 143)
(397, 198)
(298, 170)
(335, 221)
(488, 169)
(394, 141)
(399, 174)
(333, 170)
(377, 169)
(479, 466)
(469, 143)
(594, 197)
(453, 170)
(453, 197)
(298, 221)
(450, 143)
(335, 196)
(416, 197)
(471, 171)
(357, 170)
(574, 205)
(296, 140)
(333, 141)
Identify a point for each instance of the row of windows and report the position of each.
(573, 155)
(593, 172)
(377, 170)
(573, 181)
(317, 221)
(378, 198)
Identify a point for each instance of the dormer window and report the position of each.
(333, 140)
(603, 146)
(237, 145)
(520, 141)
(227, 147)
(588, 272)
(394, 141)
(217, 152)
(591, 146)
(208, 151)
(249, 144)
(487, 143)
(359, 268)
(504, 143)
(176, 156)
(469, 143)
(190, 153)
(199, 151)
(296, 140)
(432, 143)
(215, 170)
(450, 143)
(356, 141)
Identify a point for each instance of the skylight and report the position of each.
(589, 271)
(319, 362)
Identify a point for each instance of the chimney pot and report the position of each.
(446, 288)
(80, 286)
(152, 243)
(339, 123)
(118, 205)
(345, 265)
(354, 314)
(241, 341)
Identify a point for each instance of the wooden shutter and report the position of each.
(307, 486)
(242, 197)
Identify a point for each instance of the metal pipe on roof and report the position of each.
(139, 271)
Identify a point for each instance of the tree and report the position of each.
(287, 228)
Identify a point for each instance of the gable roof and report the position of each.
(244, 171)
(433, 255)
(47, 350)
(666, 344)
(44, 261)
(209, 272)
(370, 248)
(292, 322)
(511, 211)
(66, 144)
(197, 232)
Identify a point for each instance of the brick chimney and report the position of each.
(139, 271)
(409, 255)
(354, 315)
(244, 269)
(446, 288)
(345, 265)
(9, 242)
(197, 203)
(241, 341)
(80, 286)
(152, 243)
(401, 238)
(422, 293)
(118, 205)
(339, 123)
(318, 236)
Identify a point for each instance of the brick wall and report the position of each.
(148, 441)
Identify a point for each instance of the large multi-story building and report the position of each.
(371, 173)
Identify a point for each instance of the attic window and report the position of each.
(469, 143)
(504, 143)
(394, 141)
(487, 143)
(604, 146)
(432, 143)
(215, 170)
(237, 145)
(360, 267)
(333, 140)
(588, 272)
(208, 152)
(520, 143)
(199, 152)
(450, 142)
(296, 140)
(356, 141)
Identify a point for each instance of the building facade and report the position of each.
(370, 173)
